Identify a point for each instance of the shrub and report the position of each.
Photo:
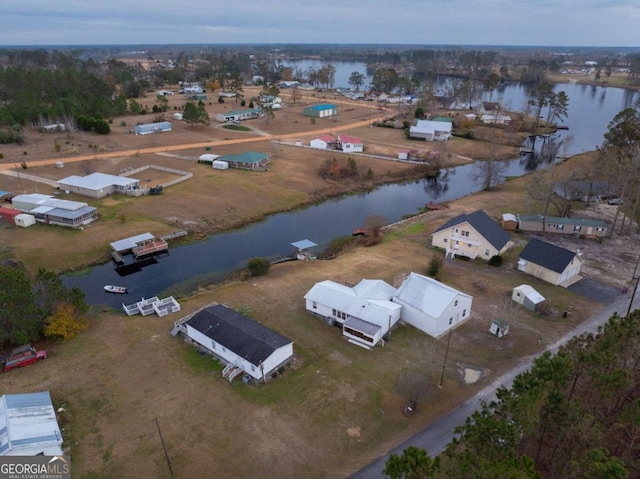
(434, 267)
(495, 260)
(258, 266)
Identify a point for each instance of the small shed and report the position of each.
(527, 297)
(499, 328)
(208, 158)
(220, 165)
(509, 221)
(304, 249)
(25, 220)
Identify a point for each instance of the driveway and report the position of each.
(595, 290)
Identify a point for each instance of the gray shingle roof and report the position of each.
(481, 221)
(242, 335)
(547, 255)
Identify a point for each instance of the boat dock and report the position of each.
(141, 245)
(149, 246)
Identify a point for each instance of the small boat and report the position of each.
(111, 288)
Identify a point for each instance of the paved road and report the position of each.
(435, 437)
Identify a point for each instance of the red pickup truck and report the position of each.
(21, 356)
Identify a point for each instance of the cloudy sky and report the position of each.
(476, 22)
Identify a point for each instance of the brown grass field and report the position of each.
(335, 408)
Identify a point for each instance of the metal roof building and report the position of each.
(28, 425)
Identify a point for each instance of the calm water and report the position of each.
(590, 111)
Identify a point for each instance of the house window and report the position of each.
(457, 242)
(560, 227)
(224, 350)
(335, 313)
(465, 233)
(445, 240)
(450, 320)
(486, 252)
(456, 230)
(469, 245)
(577, 228)
(315, 305)
(464, 313)
(253, 368)
(597, 229)
(456, 303)
(213, 345)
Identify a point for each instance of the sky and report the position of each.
(602, 23)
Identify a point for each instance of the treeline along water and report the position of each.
(590, 111)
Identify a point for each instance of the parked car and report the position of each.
(22, 356)
(615, 201)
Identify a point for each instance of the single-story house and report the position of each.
(450, 103)
(192, 88)
(198, 97)
(227, 94)
(324, 110)
(157, 127)
(431, 306)
(527, 297)
(244, 344)
(51, 210)
(509, 221)
(366, 312)
(430, 130)
(586, 227)
(28, 425)
(164, 93)
(238, 115)
(550, 263)
(99, 185)
(322, 142)
(495, 119)
(489, 108)
(249, 160)
(288, 84)
(472, 235)
(350, 144)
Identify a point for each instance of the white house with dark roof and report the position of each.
(99, 185)
(28, 425)
(244, 344)
(350, 144)
(550, 263)
(432, 306)
(366, 311)
(474, 235)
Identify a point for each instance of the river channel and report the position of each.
(590, 111)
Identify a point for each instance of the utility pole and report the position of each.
(635, 287)
(446, 354)
(20, 179)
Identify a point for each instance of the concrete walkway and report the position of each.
(435, 437)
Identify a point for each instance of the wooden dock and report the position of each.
(149, 246)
